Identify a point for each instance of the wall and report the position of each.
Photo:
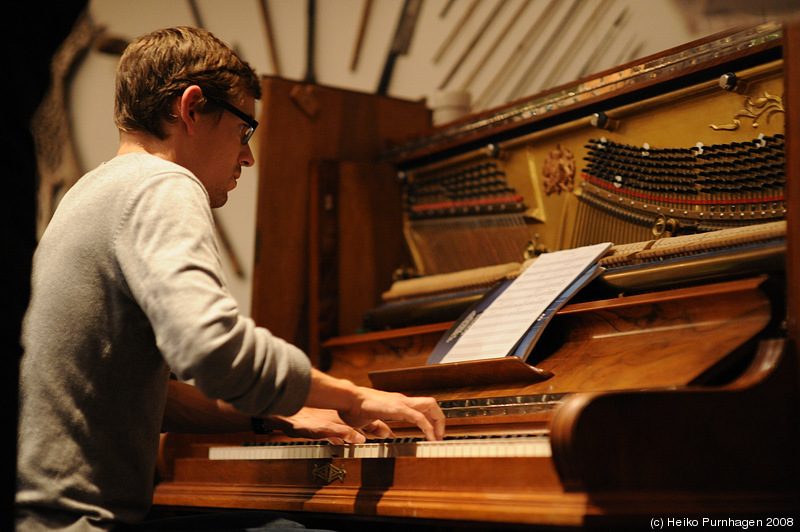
(577, 38)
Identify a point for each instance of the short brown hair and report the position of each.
(156, 68)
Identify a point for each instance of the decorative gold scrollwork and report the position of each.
(327, 473)
(756, 109)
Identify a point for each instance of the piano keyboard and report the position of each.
(458, 447)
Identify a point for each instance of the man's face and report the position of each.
(218, 154)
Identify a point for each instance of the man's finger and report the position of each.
(421, 421)
(433, 414)
(378, 429)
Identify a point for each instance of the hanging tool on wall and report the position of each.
(590, 66)
(456, 29)
(446, 8)
(311, 11)
(272, 49)
(481, 65)
(578, 44)
(362, 29)
(198, 22)
(236, 264)
(401, 42)
(303, 95)
(511, 65)
(488, 22)
(562, 29)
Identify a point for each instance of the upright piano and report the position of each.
(664, 394)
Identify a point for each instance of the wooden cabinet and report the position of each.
(327, 207)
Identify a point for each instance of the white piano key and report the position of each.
(519, 446)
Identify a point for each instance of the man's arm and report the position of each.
(188, 410)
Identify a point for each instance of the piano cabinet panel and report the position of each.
(514, 490)
(741, 438)
(657, 340)
(380, 474)
(445, 492)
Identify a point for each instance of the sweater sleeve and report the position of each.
(168, 256)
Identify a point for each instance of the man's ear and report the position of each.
(188, 105)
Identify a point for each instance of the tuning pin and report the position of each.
(699, 148)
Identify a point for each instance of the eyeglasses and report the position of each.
(249, 120)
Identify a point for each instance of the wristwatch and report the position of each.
(258, 426)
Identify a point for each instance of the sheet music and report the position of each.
(527, 343)
(498, 329)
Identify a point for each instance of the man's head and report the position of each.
(156, 68)
(187, 88)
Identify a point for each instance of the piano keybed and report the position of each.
(513, 446)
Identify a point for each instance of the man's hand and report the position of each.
(369, 404)
(360, 407)
(316, 423)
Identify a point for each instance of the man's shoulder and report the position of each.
(137, 171)
(143, 164)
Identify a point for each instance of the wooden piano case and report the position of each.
(643, 432)
(324, 224)
(670, 404)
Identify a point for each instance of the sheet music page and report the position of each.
(497, 330)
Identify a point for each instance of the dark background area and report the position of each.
(28, 50)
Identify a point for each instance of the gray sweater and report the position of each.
(127, 286)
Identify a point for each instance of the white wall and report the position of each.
(562, 48)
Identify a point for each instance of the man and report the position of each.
(127, 287)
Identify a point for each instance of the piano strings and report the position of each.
(462, 243)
